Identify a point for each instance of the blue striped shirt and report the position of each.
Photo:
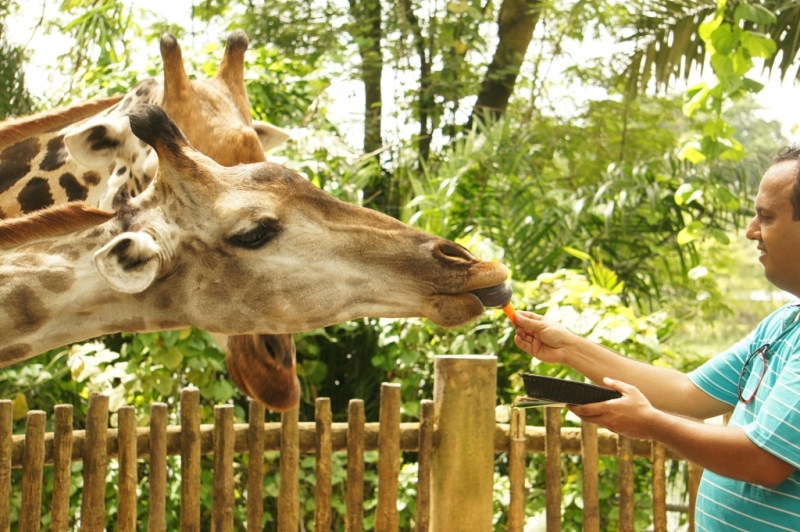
(771, 421)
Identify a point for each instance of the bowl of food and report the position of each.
(549, 390)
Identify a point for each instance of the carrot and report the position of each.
(510, 312)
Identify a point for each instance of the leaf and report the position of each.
(752, 85)
(754, 13)
(171, 357)
(458, 8)
(697, 272)
(691, 153)
(758, 44)
(720, 236)
(19, 406)
(577, 253)
(709, 26)
(683, 192)
(724, 38)
(735, 153)
(690, 232)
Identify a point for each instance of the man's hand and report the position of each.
(631, 415)
(543, 338)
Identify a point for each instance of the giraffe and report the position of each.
(240, 250)
(87, 152)
(65, 155)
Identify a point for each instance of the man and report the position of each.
(751, 479)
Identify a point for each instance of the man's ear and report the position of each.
(269, 135)
(129, 262)
(96, 142)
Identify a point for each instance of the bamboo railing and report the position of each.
(191, 440)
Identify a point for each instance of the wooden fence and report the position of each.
(456, 440)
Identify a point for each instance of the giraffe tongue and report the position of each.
(494, 296)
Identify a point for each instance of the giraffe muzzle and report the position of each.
(494, 296)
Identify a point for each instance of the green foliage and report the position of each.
(611, 214)
(15, 99)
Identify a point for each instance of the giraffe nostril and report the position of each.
(451, 250)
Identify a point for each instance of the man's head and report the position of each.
(776, 224)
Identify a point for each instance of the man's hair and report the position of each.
(791, 153)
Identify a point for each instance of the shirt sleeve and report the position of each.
(776, 428)
(719, 377)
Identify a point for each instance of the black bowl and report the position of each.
(564, 391)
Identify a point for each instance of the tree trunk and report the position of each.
(515, 29)
(425, 101)
(367, 32)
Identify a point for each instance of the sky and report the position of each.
(778, 100)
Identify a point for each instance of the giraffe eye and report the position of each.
(258, 236)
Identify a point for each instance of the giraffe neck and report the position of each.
(37, 170)
(52, 295)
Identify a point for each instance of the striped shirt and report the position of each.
(771, 421)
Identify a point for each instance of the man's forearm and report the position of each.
(726, 451)
(666, 389)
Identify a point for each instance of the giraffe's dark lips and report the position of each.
(495, 296)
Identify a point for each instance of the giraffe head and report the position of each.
(262, 236)
(254, 249)
(214, 114)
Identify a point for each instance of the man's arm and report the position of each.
(726, 451)
(666, 389)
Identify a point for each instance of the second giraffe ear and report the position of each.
(96, 142)
(269, 135)
(129, 262)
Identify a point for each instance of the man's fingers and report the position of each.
(529, 320)
(622, 387)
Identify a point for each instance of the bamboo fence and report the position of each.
(438, 445)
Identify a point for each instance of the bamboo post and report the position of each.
(626, 481)
(695, 475)
(255, 469)
(659, 488)
(552, 456)
(128, 474)
(289, 489)
(157, 519)
(386, 516)
(463, 462)
(190, 460)
(222, 495)
(591, 493)
(6, 434)
(424, 459)
(516, 470)
(354, 496)
(323, 491)
(95, 463)
(62, 458)
(32, 471)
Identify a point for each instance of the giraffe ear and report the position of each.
(269, 135)
(96, 142)
(129, 262)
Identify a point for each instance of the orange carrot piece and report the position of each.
(510, 312)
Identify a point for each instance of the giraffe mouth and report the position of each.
(495, 296)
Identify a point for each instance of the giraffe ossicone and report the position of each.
(247, 250)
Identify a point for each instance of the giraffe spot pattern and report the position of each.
(25, 309)
(75, 191)
(58, 281)
(100, 139)
(35, 195)
(56, 154)
(15, 162)
(14, 353)
(92, 179)
(122, 170)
